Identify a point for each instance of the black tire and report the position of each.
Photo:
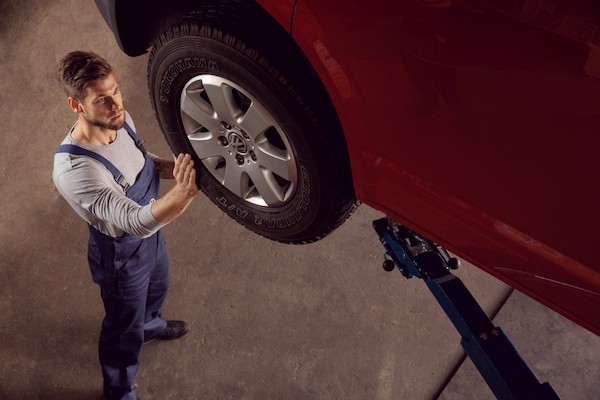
(314, 194)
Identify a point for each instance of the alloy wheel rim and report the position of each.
(238, 141)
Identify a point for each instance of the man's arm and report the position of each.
(92, 191)
(176, 200)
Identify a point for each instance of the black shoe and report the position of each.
(174, 330)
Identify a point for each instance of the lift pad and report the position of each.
(496, 359)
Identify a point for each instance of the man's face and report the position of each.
(103, 104)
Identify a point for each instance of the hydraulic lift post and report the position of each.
(496, 359)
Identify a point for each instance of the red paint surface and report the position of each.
(476, 123)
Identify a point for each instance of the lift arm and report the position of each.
(496, 359)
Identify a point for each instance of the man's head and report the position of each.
(91, 89)
(78, 69)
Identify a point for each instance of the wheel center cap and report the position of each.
(238, 143)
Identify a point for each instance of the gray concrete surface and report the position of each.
(269, 321)
(555, 349)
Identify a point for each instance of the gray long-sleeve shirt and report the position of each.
(91, 190)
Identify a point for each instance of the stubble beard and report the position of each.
(107, 125)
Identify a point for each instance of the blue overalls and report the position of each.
(133, 277)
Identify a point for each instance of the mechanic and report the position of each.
(105, 174)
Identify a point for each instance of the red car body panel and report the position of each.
(475, 123)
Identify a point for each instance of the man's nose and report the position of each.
(113, 105)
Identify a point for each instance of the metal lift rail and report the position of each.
(496, 359)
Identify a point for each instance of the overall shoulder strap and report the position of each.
(135, 138)
(80, 151)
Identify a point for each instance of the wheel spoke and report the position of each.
(198, 110)
(221, 98)
(205, 145)
(235, 180)
(276, 160)
(267, 186)
(255, 121)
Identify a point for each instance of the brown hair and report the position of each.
(78, 69)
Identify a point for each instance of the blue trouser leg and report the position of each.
(130, 279)
(120, 343)
(157, 290)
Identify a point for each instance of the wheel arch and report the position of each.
(137, 24)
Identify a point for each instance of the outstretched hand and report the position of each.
(176, 200)
(185, 174)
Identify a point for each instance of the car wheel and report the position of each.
(268, 148)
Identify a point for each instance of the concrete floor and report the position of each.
(269, 321)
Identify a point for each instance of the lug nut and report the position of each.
(240, 159)
(244, 134)
(253, 155)
(223, 140)
(226, 125)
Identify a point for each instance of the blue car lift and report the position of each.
(498, 362)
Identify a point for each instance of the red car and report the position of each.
(474, 122)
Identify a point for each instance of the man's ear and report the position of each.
(74, 104)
